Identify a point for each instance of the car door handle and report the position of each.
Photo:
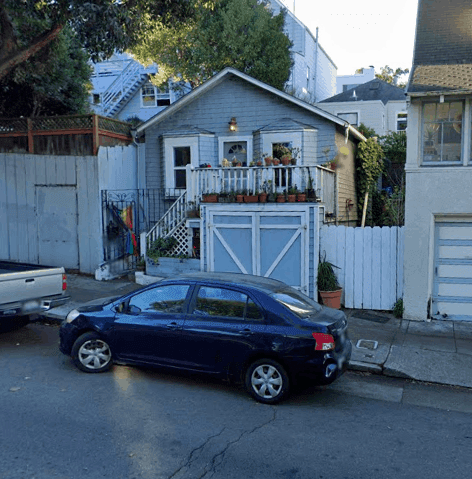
(246, 332)
(174, 326)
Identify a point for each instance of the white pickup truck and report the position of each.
(27, 290)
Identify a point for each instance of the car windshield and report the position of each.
(297, 302)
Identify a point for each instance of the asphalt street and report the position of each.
(58, 422)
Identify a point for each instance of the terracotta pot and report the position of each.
(332, 299)
(263, 198)
(280, 199)
(285, 160)
(301, 197)
(268, 161)
(210, 199)
(239, 199)
(251, 199)
(259, 163)
(276, 162)
(291, 198)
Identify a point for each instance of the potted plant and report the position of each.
(250, 198)
(301, 196)
(280, 198)
(268, 160)
(262, 197)
(239, 196)
(295, 153)
(276, 162)
(292, 194)
(328, 286)
(210, 197)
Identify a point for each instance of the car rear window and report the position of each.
(297, 302)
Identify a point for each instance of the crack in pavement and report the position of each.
(199, 448)
(220, 454)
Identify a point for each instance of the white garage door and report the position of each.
(452, 293)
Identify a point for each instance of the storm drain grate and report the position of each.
(367, 344)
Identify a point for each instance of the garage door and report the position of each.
(270, 243)
(452, 292)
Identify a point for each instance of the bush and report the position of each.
(398, 309)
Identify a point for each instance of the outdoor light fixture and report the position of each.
(233, 126)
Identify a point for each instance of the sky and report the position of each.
(357, 34)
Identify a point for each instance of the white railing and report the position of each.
(272, 179)
(174, 216)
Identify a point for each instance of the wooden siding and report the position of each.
(346, 182)
(253, 109)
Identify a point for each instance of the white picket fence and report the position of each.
(370, 262)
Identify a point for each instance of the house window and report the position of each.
(96, 99)
(442, 132)
(181, 160)
(148, 96)
(402, 118)
(350, 87)
(351, 118)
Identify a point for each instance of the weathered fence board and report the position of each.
(370, 262)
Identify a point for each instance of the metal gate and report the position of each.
(270, 242)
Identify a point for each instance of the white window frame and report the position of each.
(234, 139)
(142, 95)
(403, 112)
(169, 145)
(293, 137)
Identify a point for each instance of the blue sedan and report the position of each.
(242, 327)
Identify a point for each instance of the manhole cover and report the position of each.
(371, 317)
(367, 344)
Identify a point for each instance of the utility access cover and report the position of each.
(367, 344)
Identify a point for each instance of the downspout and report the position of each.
(316, 66)
(142, 236)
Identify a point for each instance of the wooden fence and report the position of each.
(370, 262)
(79, 135)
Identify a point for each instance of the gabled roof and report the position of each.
(442, 60)
(287, 124)
(374, 90)
(228, 72)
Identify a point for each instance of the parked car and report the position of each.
(243, 327)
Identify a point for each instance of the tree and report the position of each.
(101, 26)
(241, 34)
(369, 168)
(366, 131)
(54, 82)
(390, 75)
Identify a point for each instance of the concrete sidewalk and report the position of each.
(436, 351)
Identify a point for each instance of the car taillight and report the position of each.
(64, 282)
(324, 342)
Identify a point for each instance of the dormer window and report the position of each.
(442, 132)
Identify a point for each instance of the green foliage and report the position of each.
(388, 75)
(241, 34)
(327, 280)
(394, 147)
(54, 82)
(161, 248)
(366, 131)
(398, 309)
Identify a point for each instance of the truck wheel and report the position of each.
(266, 381)
(90, 353)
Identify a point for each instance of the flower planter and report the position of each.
(239, 199)
(285, 161)
(331, 299)
(301, 197)
(268, 161)
(280, 199)
(276, 162)
(291, 198)
(210, 198)
(263, 198)
(251, 199)
(293, 161)
(171, 266)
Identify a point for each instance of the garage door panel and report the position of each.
(455, 232)
(455, 252)
(455, 271)
(273, 241)
(456, 309)
(286, 270)
(453, 289)
(233, 246)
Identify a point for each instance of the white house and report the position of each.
(438, 206)
(347, 82)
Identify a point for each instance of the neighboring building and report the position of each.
(348, 82)
(122, 89)
(438, 207)
(376, 104)
(313, 76)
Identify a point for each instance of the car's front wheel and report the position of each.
(91, 353)
(267, 381)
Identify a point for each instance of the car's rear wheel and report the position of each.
(267, 381)
(91, 353)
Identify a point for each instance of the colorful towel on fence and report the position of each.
(125, 220)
